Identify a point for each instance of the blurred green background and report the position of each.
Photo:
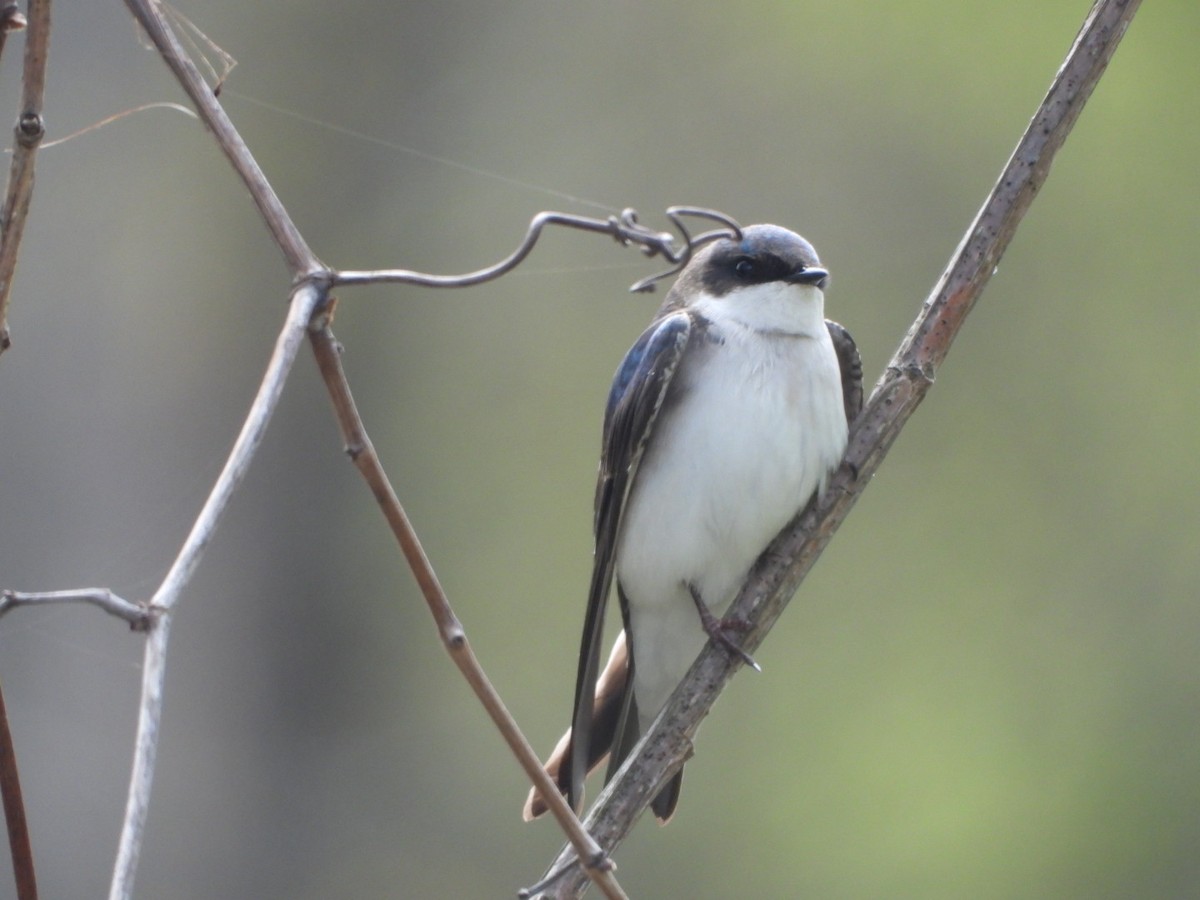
(990, 685)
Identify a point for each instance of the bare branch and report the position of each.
(780, 570)
(138, 615)
(29, 132)
(453, 635)
(305, 301)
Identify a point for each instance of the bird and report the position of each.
(728, 414)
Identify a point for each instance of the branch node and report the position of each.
(31, 128)
(152, 613)
(535, 889)
(455, 636)
(601, 862)
(11, 18)
(852, 469)
(919, 373)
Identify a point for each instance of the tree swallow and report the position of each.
(726, 417)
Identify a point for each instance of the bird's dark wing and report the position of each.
(638, 391)
(851, 365)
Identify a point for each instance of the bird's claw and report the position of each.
(719, 630)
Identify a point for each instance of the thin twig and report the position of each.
(29, 132)
(454, 637)
(14, 813)
(782, 567)
(136, 614)
(305, 301)
(117, 117)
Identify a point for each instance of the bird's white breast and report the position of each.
(754, 430)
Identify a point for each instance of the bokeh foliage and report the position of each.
(988, 687)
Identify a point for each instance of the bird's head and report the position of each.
(771, 281)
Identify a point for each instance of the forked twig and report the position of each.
(138, 615)
(305, 301)
(778, 573)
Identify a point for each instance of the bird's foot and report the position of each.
(721, 631)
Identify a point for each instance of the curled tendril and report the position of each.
(690, 244)
(624, 228)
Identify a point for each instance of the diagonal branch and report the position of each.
(781, 569)
(20, 849)
(453, 635)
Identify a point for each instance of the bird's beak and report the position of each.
(810, 275)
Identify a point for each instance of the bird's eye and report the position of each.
(744, 268)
